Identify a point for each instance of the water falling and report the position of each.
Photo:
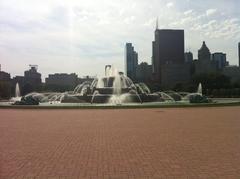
(108, 70)
(117, 85)
(199, 91)
(17, 91)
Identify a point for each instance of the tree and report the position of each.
(212, 81)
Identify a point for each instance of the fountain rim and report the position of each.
(147, 105)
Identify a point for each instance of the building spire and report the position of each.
(157, 23)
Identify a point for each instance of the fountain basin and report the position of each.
(110, 90)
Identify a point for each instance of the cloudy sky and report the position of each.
(82, 36)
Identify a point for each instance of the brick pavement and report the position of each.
(130, 143)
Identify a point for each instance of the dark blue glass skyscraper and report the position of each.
(131, 61)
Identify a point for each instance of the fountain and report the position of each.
(114, 88)
(17, 91)
(197, 97)
(199, 91)
(17, 96)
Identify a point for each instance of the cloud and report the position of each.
(79, 34)
(170, 4)
(129, 20)
(188, 12)
(150, 22)
(227, 29)
(210, 12)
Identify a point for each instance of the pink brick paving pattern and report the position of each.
(131, 143)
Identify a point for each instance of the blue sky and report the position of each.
(82, 36)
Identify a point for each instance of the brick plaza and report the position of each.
(120, 143)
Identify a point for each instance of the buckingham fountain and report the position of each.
(114, 88)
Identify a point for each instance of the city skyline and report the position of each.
(74, 37)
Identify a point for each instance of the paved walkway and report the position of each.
(136, 143)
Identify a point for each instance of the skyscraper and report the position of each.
(221, 59)
(188, 57)
(239, 54)
(131, 61)
(32, 80)
(168, 48)
(204, 53)
(204, 64)
(32, 77)
(144, 72)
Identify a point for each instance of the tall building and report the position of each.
(144, 72)
(32, 76)
(131, 61)
(62, 80)
(204, 53)
(5, 85)
(18, 79)
(220, 59)
(204, 64)
(31, 81)
(4, 76)
(188, 57)
(168, 48)
(175, 74)
(239, 54)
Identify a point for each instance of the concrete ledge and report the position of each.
(140, 106)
